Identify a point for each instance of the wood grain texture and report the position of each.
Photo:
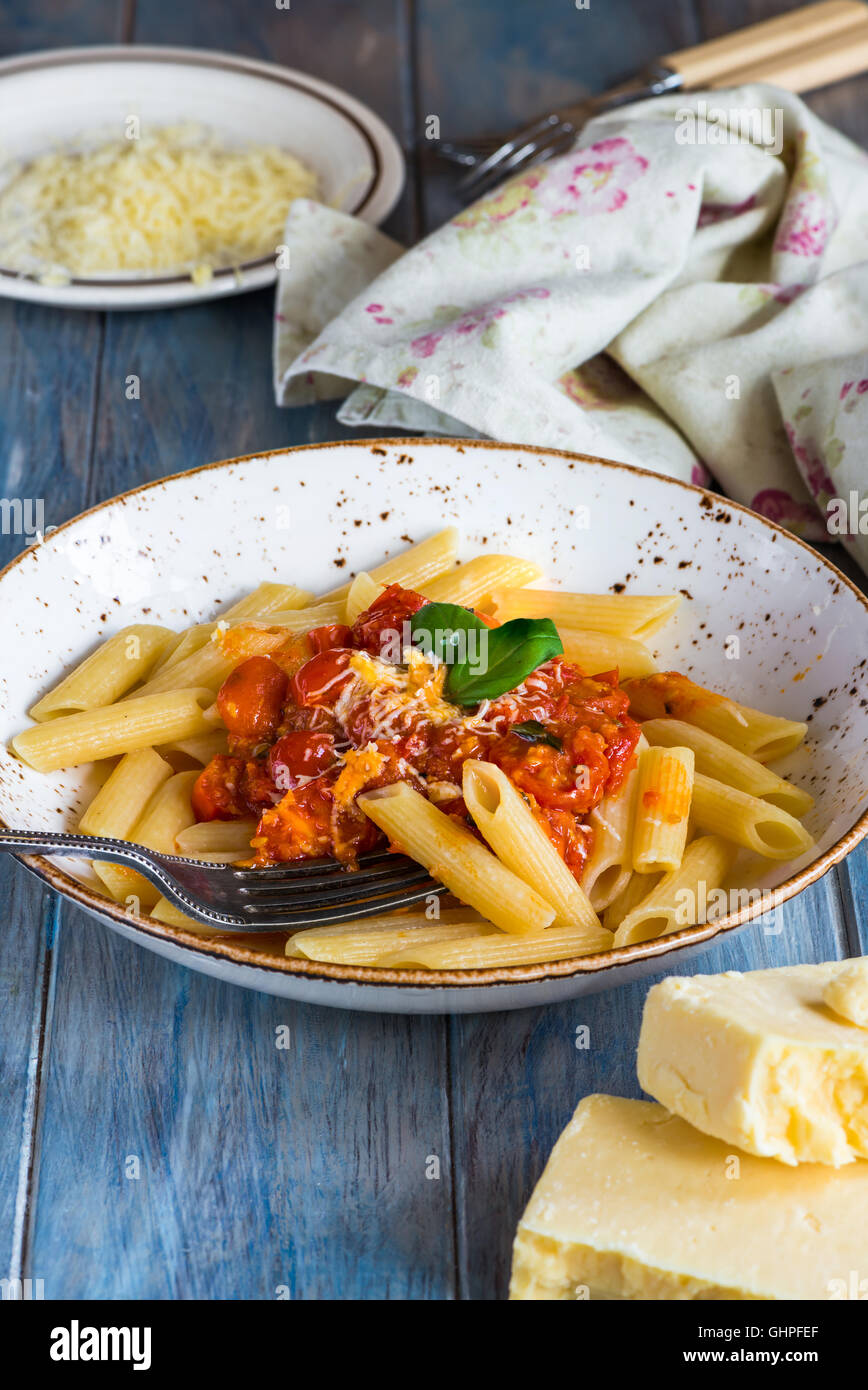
(301, 1172)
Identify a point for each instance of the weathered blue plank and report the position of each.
(853, 878)
(186, 1155)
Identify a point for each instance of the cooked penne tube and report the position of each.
(715, 758)
(504, 819)
(680, 898)
(498, 950)
(594, 652)
(625, 615)
(362, 943)
(185, 645)
(107, 673)
(122, 728)
(268, 598)
(201, 749)
(363, 591)
(228, 840)
(762, 736)
(303, 619)
(662, 808)
(412, 568)
(165, 911)
(166, 813)
(610, 863)
(454, 856)
(747, 820)
(469, 583)
(211, 664)
(633, 893)
(124, 795)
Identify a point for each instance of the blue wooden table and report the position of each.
(154, 1140)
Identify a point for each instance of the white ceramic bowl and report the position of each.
(58, 97)
(175, 551)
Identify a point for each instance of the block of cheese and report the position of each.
(636, 1204)
(760, 1061)
(847, 992)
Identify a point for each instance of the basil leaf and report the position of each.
(532, 731)
(447, 631)
(483, 662)
(509, 654)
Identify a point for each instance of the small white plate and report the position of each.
(179, 550)
(55, 99)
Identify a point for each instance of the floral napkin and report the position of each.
(686, 290)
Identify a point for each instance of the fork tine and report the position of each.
(373, 875)
(534, 152)
(332, 892)
(497, 157)
(322, 916)
(291, 869)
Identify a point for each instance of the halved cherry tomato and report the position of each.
(250, 700)
(386, 615)
(299, 754)
(216, 794)
(321, 680)
(323, 639)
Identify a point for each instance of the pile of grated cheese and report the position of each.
(175, 201)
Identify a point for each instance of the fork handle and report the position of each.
(770, 47)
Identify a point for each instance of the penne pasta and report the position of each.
(747, 820)
(124, 795)
(679, 899)
(165, 911)
(765, 737)
(634, 892)
(593, 652)
(362, 943)
(363, 591)
(303, 619)
(110, 671)
(491, 952)
(414, 567)
(624, 615)
(662, 807)
(504, 819)
(715, 758)
(212, 663)
(469, 583)
(201, 749)
(166, 813)
(222, 841)
(610, 863)
(103, 733)
(268, 598)
(454, 856)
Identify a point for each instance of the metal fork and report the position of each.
(489, 160)
(306, 894)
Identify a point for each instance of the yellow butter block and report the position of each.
(636, 1204)
(762, 1060)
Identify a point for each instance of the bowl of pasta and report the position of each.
(612, 714)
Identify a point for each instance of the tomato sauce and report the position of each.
(316, 722)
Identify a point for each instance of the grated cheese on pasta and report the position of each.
(175, 201)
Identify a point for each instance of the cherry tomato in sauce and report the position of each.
(321, 680)
(250, 700)
(330, 635)
(383, 622)
(300, 754)
(216, 794)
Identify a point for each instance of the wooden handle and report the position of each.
(806, 69)
(764, 44)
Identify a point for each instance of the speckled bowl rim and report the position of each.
(598, 964)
